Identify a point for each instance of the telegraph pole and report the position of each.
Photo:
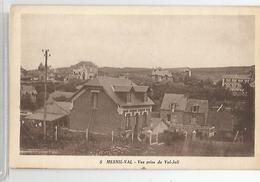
(46, 54)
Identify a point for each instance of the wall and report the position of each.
(183, 117)
(200, 118)
(106, 118)
(176, 116)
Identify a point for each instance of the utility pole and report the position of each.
(46, 54)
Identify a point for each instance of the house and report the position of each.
(183, 112)
(159, 74)
(84, 70)
(187, 72)
(50, 76)
(156, 130)
(57, 115)
(234, 83)
(196, 111)
(106, 104)
(173, 107)
(28, 91)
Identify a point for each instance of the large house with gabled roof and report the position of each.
(106, 104)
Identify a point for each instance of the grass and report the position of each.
(178, 148)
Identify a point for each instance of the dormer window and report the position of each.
(173, 106)
(195, 108)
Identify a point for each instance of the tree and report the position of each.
(246, 115)
(41, 67)
(40, 99)
(27, 103)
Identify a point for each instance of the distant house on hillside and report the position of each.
(28, 76)
(158, 74)
(234, 83)
(185, 71)
(107, 104)
(179, 110)
(84, 70)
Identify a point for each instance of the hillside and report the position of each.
(214, 73)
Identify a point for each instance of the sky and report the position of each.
(149, 41)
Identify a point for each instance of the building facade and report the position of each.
(234, 83)
(159, 74)
(107, 104)
(177, 109)
(84, 71)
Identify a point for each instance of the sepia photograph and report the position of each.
(147, 84)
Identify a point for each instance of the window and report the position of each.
(195, 108)
(193, 120)
(128, 97)
(168, 117)
(127, 125)
(94, 100)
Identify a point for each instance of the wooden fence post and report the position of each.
(87, 134)
(132, 137)
(150, 138)
(157, 138)
(112, 137)
(56, 133)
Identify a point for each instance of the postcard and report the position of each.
(134, 87)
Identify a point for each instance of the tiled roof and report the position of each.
(179, 99)
(121, 88)
(57, 94)
(66, 106)
(40, 116)
(203, 105)
(127, 88)
(122, 84)
(183, 103)
(55, 110)
(140, 88)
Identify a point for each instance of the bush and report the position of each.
(172, 136)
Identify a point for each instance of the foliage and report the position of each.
(26, 102)
(40, 99)
(246, 115)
